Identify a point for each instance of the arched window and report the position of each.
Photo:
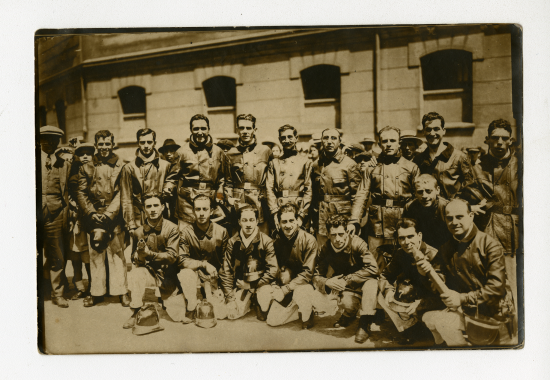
(447, 82)
(60, 112)
(221, 99)
(132, 100)
(321, 85)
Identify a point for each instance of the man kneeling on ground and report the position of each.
(296, 252)
(249, 264)
(354, 277)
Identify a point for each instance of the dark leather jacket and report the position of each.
(430, 221)
(354, 262)
(197, 246)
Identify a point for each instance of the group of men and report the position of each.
(283, 235)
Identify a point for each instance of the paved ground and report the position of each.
(99, 330)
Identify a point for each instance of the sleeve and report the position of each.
(309, 257)
(415, 172)
(126, 196)
(308, 191)
(186, 262)
(227, 276)
(220, 180)
(361, 198)
(407, 210)
(271, 266)
(113, 209)
(467, 171)
(369, 268)
(171, 179)
(228, 183)
(270, 183)
(170, 255)
(73, 179)
(83, 193)
(320, 273)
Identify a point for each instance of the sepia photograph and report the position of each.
(279, 189)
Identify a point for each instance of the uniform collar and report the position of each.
(254, 237)
(147, 228)
(195, 147)
(444, 156)
(290, 240)
(246, 148)
(140, 159)
(382, 158)
(111, 160)
(503, 161)
(289, 153)
(208, 232)
(338, 156)
(469, 236)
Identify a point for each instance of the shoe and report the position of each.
(125, 300)
(440, 345)
(130, 322)
(361, 335)
(343, 321)
(260, 315)
(79, 295)
(90, 301)
(307, 324)
(60, 301)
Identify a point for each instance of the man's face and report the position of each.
(426, 193)
(153, 209)
(331, 141)
(408, 147)
(409, 239)
(104, 146)
(313, 153)
(202, 211)
(248, 222)
(338, 236)
(170, 154)
(276, 151)
(368, 145)
(146, 144)
(287, 139)
(246, 130)
(49, 143)
(85, 156)
(499, 142)
(389, 142)
(200, 131)
(458, 219)
(289, 223)
(434, 133)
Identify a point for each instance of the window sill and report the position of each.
(454, 125)
(220, 109)
(444, 91)
(320, 101)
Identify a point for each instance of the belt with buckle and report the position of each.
(388, 203)
(289, 193)
(336, 198)
(249, 186)
(506, 210)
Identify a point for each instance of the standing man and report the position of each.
(145, 174)
(246, 171)
(296, 252)
(249, 264)
(409, 144)
(390, 185)
(450, 167)
(335, 179)
(289, 178)
(202, 249)
(354, 277)
(368, 144)
(53, 220)
(428, 209)
(200, 170)
(99, 199)
(473, 265)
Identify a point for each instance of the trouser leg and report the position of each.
(118, 278)
(511, 275)
(240, 306)
(369, 297)
(304, 296)
(98, 272)
(188, 280)
(265, 297)
(53, 249)
(449, 325)
(138, 280)
(77, 276)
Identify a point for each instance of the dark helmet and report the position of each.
(147, 320)
(253, 269)
(99, 238)
(204, 314)
(481, 331)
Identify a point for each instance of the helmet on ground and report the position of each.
(204, 314)
(481, 331)
(147, 320)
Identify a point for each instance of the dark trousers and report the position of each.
(54, 251)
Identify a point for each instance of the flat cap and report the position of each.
(409, 134)
(84, 146)
(368, 140)
(51, 130)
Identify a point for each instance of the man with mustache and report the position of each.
(289, 178)
(246, 171)
(145, 174)
(474, 268)
(390, 185)
(335, 179)
(53, 219)
(200, 170)
(99, 199)
(450, 167)
(428, 209)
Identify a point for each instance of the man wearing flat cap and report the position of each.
(53, 221)
(409, 144)
(368, 144)
(169, 151)
(226, 145)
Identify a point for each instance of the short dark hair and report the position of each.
(248, 117)
(146, 131)
(204, 197)
(335, 221)
(286, 127)
(389, 128)
(289, 207)
(499, 123)
(406, 223)
(152, 195)
(199, 117)
(248, 208)
(429, 117)
(104, 133)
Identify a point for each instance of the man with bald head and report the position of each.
(473, 265)
(335, 179)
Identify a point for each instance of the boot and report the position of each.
(363, 330)
(60, 301)
(260, 315)
(92, 300)
(125, 300)
(344, 321)
(131, 321)
(307, 324)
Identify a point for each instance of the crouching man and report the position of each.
(405, 280)
(296, 252)
(202, 246)
(154, 255)
(249, 265)
(473, 264)
(354, 276)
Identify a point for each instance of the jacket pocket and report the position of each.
(341, 207)
(375, 220)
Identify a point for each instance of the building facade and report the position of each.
(355, 79)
